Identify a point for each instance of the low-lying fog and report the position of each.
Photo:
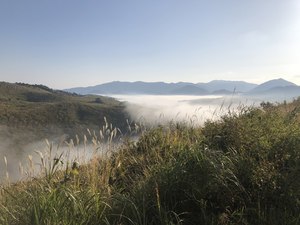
(24, 155)
(194, 109)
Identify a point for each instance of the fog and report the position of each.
(160, 109)
(23, 154)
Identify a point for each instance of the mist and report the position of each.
(24, 154)
(161, 109)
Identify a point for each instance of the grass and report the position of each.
(43, 112)
(37, 106)
(241, 169)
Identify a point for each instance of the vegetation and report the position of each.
(241, 169)
(46, 112)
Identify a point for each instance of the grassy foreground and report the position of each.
(242, 169)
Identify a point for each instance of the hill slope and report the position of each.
(39, 108)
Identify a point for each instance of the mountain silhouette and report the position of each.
(162, 88)
(273, 89)
(272, 84)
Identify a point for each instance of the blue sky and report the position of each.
(67, 43)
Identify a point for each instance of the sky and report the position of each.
(70, 43)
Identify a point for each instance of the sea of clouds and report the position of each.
(159, 109)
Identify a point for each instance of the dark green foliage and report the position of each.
(38, 97)
(98, 100)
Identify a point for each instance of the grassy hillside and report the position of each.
(45, 111)
(242, 169)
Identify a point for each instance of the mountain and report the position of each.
(276, 87)
(279, 93)
(139, 87)
(161, 88)
(231, 86)
(271, 84)
(189, 90)
(222, 92)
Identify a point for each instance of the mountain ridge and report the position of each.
(268, 85)
(140, 87)
(224, 87)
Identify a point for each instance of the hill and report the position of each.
(46, 111)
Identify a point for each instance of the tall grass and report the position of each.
(241, 169)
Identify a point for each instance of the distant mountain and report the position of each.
(273, 88)
(287, 90)
(231, 86)
(161, 88)
(139, 87)
(222, 92)
(271, 84)
(279, 93)
(189, 90)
